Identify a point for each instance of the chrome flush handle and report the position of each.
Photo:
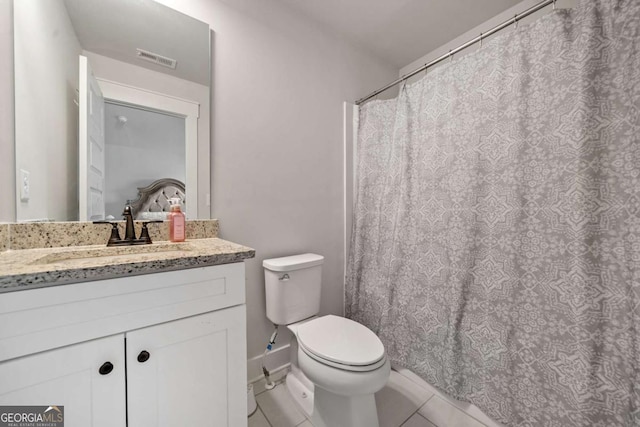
(284, 277)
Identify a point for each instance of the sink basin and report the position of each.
(118, 253)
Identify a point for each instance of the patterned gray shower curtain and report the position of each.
(496, 243)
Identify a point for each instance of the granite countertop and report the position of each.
(34, 268)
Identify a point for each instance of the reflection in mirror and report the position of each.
(140, 146)
(49, 37)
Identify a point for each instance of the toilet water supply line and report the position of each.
(269, 384)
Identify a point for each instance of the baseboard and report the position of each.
(277, 360)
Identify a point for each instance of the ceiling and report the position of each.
(396, 31)
(116, 28)
(400, 31)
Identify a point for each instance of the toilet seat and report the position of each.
(341, 343)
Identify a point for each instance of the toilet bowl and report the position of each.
(337, 364)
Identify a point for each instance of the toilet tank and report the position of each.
(292, 287)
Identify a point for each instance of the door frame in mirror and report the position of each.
(190, 110)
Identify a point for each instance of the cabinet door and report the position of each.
(70, 377)
(189, 372)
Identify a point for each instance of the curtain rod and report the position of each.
(452, 52)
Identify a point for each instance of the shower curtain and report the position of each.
(496, 243)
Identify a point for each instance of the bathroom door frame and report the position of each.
(190, 110)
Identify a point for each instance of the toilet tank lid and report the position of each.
(294, 262)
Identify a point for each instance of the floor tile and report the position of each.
(397, 404)
(444, 414)
(418, 421)
(258, 419)
(469, 408)
(476, 413)
(399, 399)
(279, 408)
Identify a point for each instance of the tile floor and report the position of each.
(406, 401)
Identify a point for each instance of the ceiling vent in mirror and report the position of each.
(155, 58)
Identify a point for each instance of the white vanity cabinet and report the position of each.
(70, 376)
(178, 373)
(164, 349)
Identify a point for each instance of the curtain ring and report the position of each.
(481, 40)
(515, 22)
(554, 4)
(450, 56)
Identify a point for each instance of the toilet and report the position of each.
(336, 364)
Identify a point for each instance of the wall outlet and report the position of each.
(24, 185)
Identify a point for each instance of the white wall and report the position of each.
(350, 138)
(47, 118)
(279, 86)
(7, 169)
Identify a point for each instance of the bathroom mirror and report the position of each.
(145, 57)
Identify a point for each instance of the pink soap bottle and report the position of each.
(176, 222)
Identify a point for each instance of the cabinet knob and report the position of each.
(143, 356)
(106, 368)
